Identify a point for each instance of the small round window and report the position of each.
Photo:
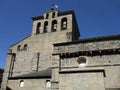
(81, 61)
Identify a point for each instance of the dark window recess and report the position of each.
(18, 48)
(25, 47)
(47, 16)
(45, 27)
(38, 28)
(54, 26)
(64, 23)
(53, 15)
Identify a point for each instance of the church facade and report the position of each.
(54, 58)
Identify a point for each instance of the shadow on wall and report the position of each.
(112, 89)
(8, 88)
(1, 75)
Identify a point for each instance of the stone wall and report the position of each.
(26, 61)
(82, 81)
(29, 84)
(109, 64)
(101, 70)
(94, 61)
(87, 46)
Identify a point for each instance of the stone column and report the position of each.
(10, 58)
(55, 73)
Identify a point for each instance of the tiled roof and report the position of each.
(37, 18)
(102, 38)
(65, 13)
(40, 74)
(59, 14)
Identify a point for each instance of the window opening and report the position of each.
(47, 16)
(48, 84)
(53, 15)
(45, 27)
(18, 49)
(64, 23)
(81, 61)
(54, 25)
(25, 47)
(38, 28)
(21, 83)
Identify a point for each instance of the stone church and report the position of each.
(54, 58)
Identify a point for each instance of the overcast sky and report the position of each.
(95, 18)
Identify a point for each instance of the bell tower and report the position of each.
(34, 53)
(53, 27)
(58, 23)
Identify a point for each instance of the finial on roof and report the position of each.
(54, 6)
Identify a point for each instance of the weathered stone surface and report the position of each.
(30, 84)
(71, 64)
(82, 81)
(88, 46)
(38, 55)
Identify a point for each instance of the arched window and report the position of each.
(48, 83)
(64, 23)
(53, 15)
(25, 47)
(81, 61)
(18, 48)
(47, 16)
(38, 28)
(21, 83)
(45, 27)
(54, 26)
